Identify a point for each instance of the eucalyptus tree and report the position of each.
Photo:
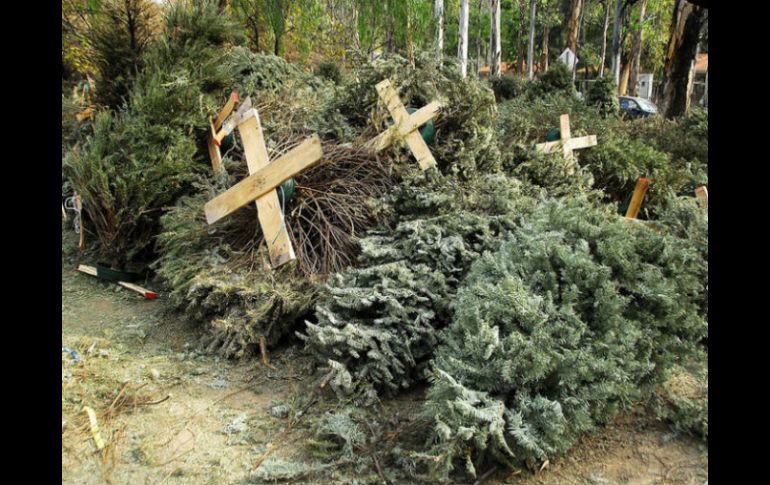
(531, 46)
(495, 47)
(687, 24)
(462, 48)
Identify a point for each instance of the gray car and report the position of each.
(632, 107)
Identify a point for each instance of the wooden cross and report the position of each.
(260, 185)
(636, 200)
(567, 143)
(215, 140)
(405, 126)
(702, 194)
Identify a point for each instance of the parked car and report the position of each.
(632, 108)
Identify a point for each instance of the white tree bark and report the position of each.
(616, 41)
(495, 47)
(531, 46)
(462, 48)
(438, 12)
(604, 37)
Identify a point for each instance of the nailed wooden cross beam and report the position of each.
(567, 143)
(216, 124)
(702, 194)
(636, 200)
(260, 185)
(405, 126)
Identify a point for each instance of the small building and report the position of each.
(644, 85)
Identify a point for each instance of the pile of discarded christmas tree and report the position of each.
(502, 277)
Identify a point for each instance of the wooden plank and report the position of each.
(400, 117)
(565, 134)
(150, 295)
(263, 180)
(636, 200)
(548, 147)
(582, 142)
(279, 247)
(244, 111)
(420, 150)
(87, 269)
(702, 194)
(416, 119)
(572, 144)
(564, 130)
(214, 153)
(228, 108)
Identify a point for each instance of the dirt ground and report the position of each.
(170, 416)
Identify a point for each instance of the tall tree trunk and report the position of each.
(462, 48)
(131, 23)
(494, 46)
(625, 72)
(531, 46)
(604, 37)
(354, 22)
(686, 24)
(438, 13)
(616, 25)
(520, 47)
(488, 47)
(478, 39)
(391, 38)
(255, 28)
(409, 36)
(577, 35)
(705, 100)
(636, 52)
(575, 9)
(546, 37)
(691, 77)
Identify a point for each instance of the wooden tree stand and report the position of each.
(566, 143)
(265, 176)
(405, 126)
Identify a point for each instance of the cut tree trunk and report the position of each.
(636, 52)
(494, 45)
(686, 24)
(531, 46)
(462, 48)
